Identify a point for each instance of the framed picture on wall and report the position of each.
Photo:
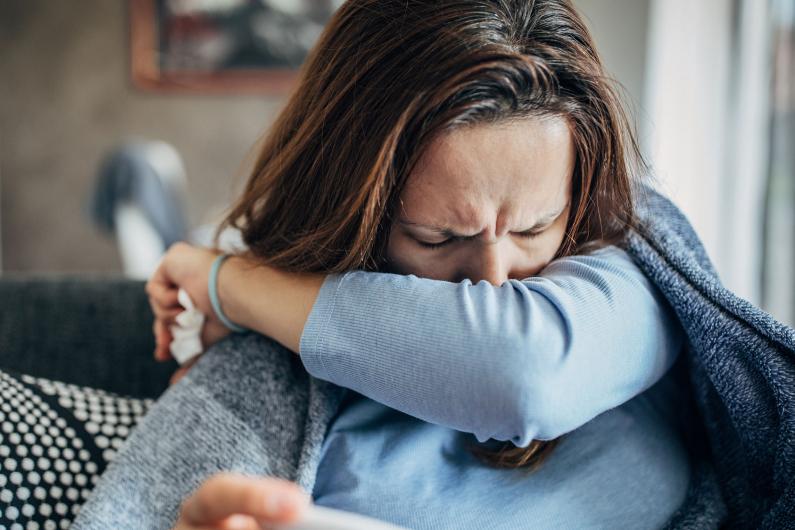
(223, 46)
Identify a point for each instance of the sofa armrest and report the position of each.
(93, 330)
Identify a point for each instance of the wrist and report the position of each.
(221, 296)
(266, 299)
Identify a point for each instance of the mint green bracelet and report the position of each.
(212, 289)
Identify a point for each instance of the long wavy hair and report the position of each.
(384, 78)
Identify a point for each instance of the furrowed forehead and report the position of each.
(451, 230)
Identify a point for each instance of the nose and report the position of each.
(492, 262)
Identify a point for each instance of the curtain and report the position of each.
(778, 277)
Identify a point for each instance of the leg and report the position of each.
(247, 405)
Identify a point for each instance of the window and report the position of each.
(778, 272)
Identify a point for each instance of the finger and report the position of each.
(177, 375)
(239, 522)
(182, 525)
(159, 276)
(168, 315)
(227, 494)
(166, 296)
(233, 522)
(182, 370)
(162, 332)
(163, 340)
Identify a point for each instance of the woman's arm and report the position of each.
(268, 300)
(531, 359)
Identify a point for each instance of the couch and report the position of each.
(88, 329)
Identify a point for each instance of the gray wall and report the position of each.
(66, 100)
(620, 29)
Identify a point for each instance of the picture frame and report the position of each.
(222, 46)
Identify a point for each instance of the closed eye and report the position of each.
(529, 234)
(436, 245)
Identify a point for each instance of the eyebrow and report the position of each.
(449, 232)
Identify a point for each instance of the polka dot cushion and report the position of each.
(55, 441)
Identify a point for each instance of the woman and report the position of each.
(608, 361)
(514, 146)
(431, 145)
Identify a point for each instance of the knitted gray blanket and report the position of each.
(248, 405)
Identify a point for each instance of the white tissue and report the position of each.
(187, 342)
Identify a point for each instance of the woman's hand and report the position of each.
(187, 266)
(182, 370)
(234, 501)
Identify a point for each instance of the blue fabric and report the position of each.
(741, 377)
(627, 468)
(531, 359)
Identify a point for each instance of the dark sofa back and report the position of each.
(85, 330)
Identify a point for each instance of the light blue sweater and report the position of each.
(536, 358)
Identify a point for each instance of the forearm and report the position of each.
(530, 359)
(447, 353)
(267, 300)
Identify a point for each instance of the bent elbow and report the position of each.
(539, 415)
(540, 410)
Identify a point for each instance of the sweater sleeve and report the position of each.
(530, 359)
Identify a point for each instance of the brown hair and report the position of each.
(384, 78)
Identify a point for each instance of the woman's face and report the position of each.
(495, 197)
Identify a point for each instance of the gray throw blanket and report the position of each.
(248, 405)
